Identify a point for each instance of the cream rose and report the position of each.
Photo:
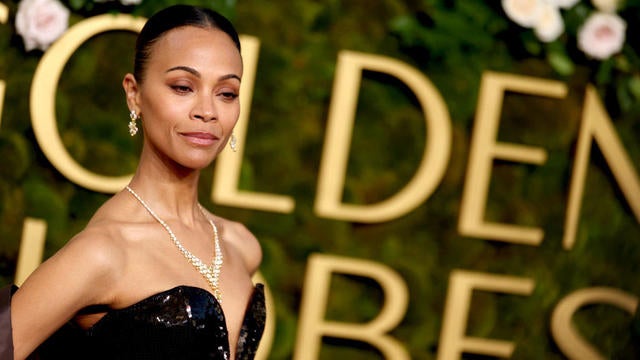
(523, 12)
(565, 4)
(602, 35)
(41, 22)
(606, 5)
(123, 2)
(549, 25)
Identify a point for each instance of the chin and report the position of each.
(196, 165)
(196, 162)
(199, 159)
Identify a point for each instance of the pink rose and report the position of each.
(602, 35)
(41, 22)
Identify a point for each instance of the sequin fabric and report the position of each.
(181, 323)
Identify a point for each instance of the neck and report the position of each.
(170, 189)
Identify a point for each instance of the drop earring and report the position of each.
(133, 128)
(233, 143)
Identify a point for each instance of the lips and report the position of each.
(200, 138)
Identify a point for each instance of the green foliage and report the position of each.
(452, 43)
(145, 7)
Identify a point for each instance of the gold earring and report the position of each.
(133, 128)
(233, 143)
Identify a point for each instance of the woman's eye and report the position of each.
(228, 95)
(181, 89)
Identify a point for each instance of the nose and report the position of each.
(204, 109)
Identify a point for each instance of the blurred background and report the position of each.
(452, 43)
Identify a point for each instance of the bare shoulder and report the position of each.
(81, 273)
(98, 243)
(91, 257)
(239, 237)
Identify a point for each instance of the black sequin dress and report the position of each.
(181, 323)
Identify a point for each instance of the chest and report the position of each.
(184, 322)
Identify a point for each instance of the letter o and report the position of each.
(42, 99)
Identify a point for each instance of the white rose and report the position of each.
(606, 5)
(130, 2)
(565, 4)
(550, 24)
(41, 22)
(602, 35)
(523, 12)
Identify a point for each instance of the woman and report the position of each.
(131, 285)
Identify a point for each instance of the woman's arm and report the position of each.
(80, 274)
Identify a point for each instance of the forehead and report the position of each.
(204, 49)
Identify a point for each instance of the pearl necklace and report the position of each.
(211, 272)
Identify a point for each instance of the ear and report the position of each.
(132, 92)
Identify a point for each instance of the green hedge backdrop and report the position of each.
(452, 43)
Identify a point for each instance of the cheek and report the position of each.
(231, 117)
(161, 109)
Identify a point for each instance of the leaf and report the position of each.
(634, 86)
(531, 43)
(603, 76)
(560, 62)
(76, 4)
(624, 97)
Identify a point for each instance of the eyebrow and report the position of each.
(197, 73)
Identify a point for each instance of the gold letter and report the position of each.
(338, 137)
(453, 341)
(597, 125)
(43, 91)
(564, 333)
(485, 148)
(4, 14)
(34, 234)
(312, 326)
(228, 165)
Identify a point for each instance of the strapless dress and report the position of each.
(184, 322)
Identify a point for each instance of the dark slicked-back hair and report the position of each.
(174, 17)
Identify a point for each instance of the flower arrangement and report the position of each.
(41, 22)
(601, 36)
(591, 32)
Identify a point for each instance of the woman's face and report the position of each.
(188, 100)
